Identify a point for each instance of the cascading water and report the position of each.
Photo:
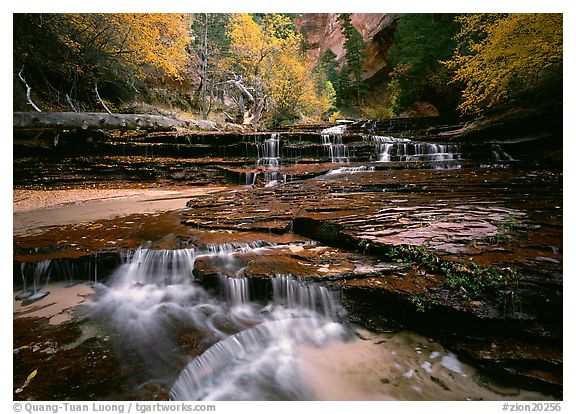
(277, 339)
(269, 158)
(335, 147)
(41, 271)
(391, 149)
(297, 349)
(263, 362)
(154, 290)
(268, 151)
(235, 289)
(499, 154)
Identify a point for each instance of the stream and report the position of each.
(257, 291)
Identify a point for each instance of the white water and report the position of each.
(268, 152)
(389, 149)
(263, 362)
(289, 344)
(154, 290)
(332, 141)
(499, 154)
(41, 271)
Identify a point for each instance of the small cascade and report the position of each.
(390, 149)
(268, 151)
(153, 291)
(335, 147)
(270, 178)
(232, 247)
(163, 267)
(41, 272)
(174, 267)
(273, 177)
(235, 289)
(263, 362)
(297, 294)
(249, 178)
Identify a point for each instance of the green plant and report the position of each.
(419, 303)
(508, 229)
(364, 244)
(394, 252)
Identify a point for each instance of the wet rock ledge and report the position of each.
(477, 254)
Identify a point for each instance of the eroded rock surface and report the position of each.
(508, 221)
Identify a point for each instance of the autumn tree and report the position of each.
(270, 70)
(71, 55)
(500, 54)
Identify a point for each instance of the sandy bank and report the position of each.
(35, 210)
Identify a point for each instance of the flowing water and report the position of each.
(335, 147)
(268, 151)
(272, 338)
(390, 149)
(288, 341)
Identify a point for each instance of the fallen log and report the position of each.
(91, 121)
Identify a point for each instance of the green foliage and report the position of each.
(329, 66)
(467, 280)
(421, 41)
(350, 84)
(421, 304)
(385, 103)
(509, 229)
(501, 54)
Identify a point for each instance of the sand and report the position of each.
(36, 210)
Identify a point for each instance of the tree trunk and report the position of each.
(60, 121)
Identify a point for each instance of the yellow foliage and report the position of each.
(270, 54)
(503, 52)
(152, 40)
(378, 111)
(334, 117)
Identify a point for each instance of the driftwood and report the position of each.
(62, 121)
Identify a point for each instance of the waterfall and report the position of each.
(391, 149)
(499, 154)
(249, 178)
(297, 294)
(268, 151)
(235, 289)
(263, 362)
(163, 267)
(153, 291)
(41, 271)
(335, 147)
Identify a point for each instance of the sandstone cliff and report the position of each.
(323, 33)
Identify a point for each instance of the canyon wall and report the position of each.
(323, 32)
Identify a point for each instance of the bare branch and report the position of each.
(71, 103)
(239, 85)
(28, 91)
(100, 99)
